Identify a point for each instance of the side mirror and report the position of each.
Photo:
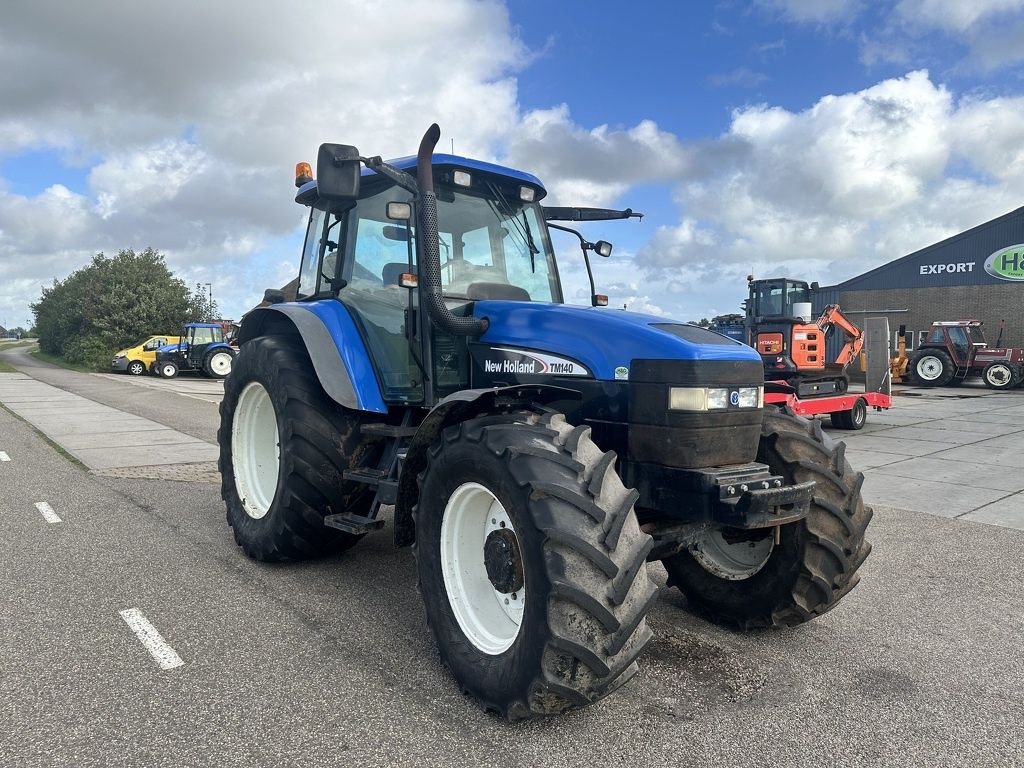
(337, 172)
(603, 248)
(273, 296)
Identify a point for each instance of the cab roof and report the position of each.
(442, 162)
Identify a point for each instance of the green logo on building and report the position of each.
(1007, 263)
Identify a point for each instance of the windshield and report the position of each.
(491, 243)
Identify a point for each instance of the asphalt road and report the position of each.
(330, 663)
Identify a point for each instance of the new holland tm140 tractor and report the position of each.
(537, 455)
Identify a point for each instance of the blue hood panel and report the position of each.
(601, 339)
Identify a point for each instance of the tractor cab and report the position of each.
(778, 298)
(960, 338)
(493, 245)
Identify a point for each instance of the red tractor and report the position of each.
(956, 349)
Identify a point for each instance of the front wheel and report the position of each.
(531, 564)
(744, 578)
(167, 370)
(284, 446)
(136, 368)
(1000, 376)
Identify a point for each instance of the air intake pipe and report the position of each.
(430, 269)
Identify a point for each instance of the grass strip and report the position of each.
(61, 362)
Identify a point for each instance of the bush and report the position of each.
(88, 351)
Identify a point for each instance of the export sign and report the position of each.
(1007, 263)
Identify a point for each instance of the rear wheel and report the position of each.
(931, 368)
(855, 418)
(531, 564)
(1000, 376)
(283, 448)
(217, 364)
(745, 579)
(136, 368)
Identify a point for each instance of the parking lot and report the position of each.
(330, 662)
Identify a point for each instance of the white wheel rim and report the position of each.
(135, 368)
(999, 375)
(489, 619)
(255, 450)
(929, 368)
(220, 363)
(167, 371)
(733, 561)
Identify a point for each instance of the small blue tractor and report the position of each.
(201, 348)
(537, 455)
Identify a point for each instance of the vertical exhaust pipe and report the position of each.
(430, 269)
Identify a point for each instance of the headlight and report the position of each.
(718, 398)
(714, 398)
(120, 355)
(751, 397)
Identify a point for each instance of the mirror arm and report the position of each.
(401, 178)
(584, 246)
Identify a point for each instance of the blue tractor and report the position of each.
(538, 455)
(202, 348)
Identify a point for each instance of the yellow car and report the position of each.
(138, 359)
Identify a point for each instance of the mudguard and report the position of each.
(457, 407)
(339, 355)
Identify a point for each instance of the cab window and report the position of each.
(202, 336)
(311, 254)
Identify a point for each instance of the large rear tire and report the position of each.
(531, 564)
(284, 445)
(217, 363)
(747, 581)
(931, 368)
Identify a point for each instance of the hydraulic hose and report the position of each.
(430, 269)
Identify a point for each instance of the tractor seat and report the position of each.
(496, 291)
(393, 270)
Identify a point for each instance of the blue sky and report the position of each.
(815, 138)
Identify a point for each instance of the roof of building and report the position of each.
(984, 235)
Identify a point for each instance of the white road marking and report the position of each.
(4, 456)
(47, 512)
(164, 655)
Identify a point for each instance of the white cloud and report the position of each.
(851, 182)
(815, 11)
(955, 16)
(190, 117)
(592, 167)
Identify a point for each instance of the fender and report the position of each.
(456, 408)
(339, 356)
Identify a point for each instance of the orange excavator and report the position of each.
(791, 344)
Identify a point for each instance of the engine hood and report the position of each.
(604, 339)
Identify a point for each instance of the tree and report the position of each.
(201, 307)
(110, 304)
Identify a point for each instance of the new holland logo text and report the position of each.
(522, 363)
(510, 366)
